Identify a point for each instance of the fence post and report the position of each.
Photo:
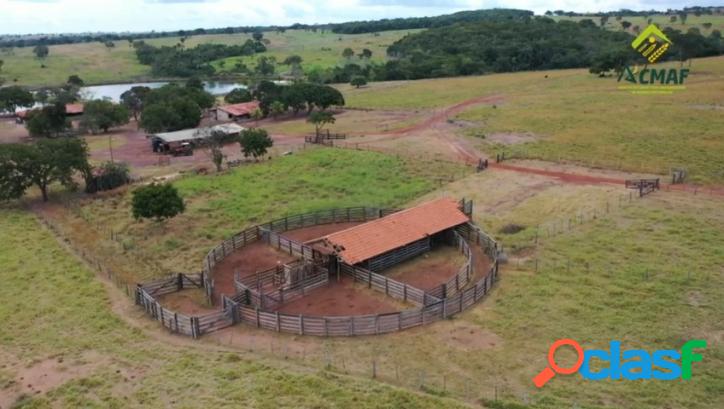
(301, 324)
(369, 274)
(180, 282)
(279, 323)
(444, 307)
(258, 320)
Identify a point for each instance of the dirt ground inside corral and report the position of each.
(428, 270)
(190, 301)
(315, 232)
(343, 297)
(259, 256)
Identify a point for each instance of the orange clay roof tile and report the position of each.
(365, 241)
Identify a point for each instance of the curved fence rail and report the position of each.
(257, 296)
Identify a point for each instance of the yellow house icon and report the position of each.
(652, 43)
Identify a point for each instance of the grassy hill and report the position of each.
(575, 116)
(96, 63)
(692, 21)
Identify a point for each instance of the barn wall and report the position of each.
(397, 256)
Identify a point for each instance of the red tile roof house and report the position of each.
(70, 110)
(236, 112)
(383, 242)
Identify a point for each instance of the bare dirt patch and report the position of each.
(511, 138)
(248, 260)
(315, 232)
(343, 297)
(259, 256)
(188, 301)
(48, 374)
(428, 270)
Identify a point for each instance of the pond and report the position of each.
(114, 91)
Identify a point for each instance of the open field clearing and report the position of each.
(93, 62)
(571, 115)
(318, 50)
(663, 21)
(221, 205)
(67, 349)
(647, 272)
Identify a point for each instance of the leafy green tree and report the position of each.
(238, 95)
(75, 81)
(255, 142)
(265, 65)
(48, 121)
(40, 164)
(366, 53)
(320, 119)
(603, 20)
(625, 24)
(348, 53)
(101, 115)
(195, 82)
(15, 97)
(109, 175)
(157, 201)
(277, 108)
(258, 35)
(358, 81)
(172, 108)
(133, 99)
(292, 60)
(41, 51)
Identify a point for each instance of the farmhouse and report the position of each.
(70, 110)
(387, 241)
(236, 112)
(163, 142)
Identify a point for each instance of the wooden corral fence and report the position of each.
(428, 307)
(257, 296)
(194, 326)
(253, 234)
(324, 138)
(463, 276)
(644, 186)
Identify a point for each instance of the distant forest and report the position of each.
(533, 44)
(359, 27)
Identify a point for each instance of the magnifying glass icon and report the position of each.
(552, 369)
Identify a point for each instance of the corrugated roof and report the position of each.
(245, 108)
(363, 242)
(197, 133)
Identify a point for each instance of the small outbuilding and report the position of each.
(166, 141)
(236, 112)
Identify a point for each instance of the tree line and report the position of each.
(371, 26)
(177, 61)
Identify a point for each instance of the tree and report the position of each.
(101, 115)
(348, 53)
(172, 108)
(48, 121)
(41, 164)
(195, 82)
(133, 99)
(41, 51)
(292, 60)
(366, 53)
(625, 24)
(12, 98)
(603, 20)
(157, 201)
(75, 81)
(705, 25)
(277, 108)
(258, 35)
(683, 16)
(238, 95)
(265, 65)
(212, 144)
(358, 81)
(255, 142)
(320, 119)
